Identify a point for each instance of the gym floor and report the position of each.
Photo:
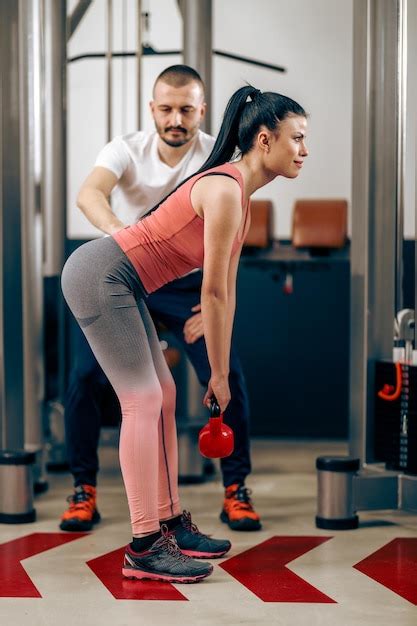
(289, 573)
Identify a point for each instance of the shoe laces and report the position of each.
(169, 543)
(240, 499)
(79, 500)
(189, 525)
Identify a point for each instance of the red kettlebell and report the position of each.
(216, 440)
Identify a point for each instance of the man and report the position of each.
(138, 170)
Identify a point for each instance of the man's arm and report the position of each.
(231, 301)
(93, 200)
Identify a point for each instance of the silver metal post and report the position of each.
(401, 145)
(360, 226)
(54, 187)
(374, 203)
(30, 46)
(109, 68)
(197, 46)
(139, 63)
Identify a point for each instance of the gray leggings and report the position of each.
(106, 297)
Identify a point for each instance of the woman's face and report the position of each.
(287, 148)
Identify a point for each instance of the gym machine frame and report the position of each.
(358, 482)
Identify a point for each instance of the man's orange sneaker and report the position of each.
(82, 512)
(238, 511)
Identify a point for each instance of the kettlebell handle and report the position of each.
(214, 407)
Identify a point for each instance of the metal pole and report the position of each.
(197, 46)
(401, 146)
(109, 67)
(374, 204)
(30, 26)
(139, 44)
(54, 183)
(360, 225)
(11, 332)
(54, 195)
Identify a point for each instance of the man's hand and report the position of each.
(93, 200)
(193, 327)
(114, 228)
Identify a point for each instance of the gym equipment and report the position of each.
(319, 223)
(395, 413)
(343, 486)
(16, 487)
(396, 416)
(335, 493)
(259, 234)
(382, 431)
(216, 440)
(190, 464)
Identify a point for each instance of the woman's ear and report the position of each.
(264, 141)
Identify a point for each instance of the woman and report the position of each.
(201, 224)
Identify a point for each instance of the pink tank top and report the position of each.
(169, 243)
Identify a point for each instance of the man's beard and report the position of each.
(186, 137)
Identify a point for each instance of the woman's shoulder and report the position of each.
(218, 184)
(220, 179)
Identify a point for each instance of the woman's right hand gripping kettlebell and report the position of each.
(219, 387)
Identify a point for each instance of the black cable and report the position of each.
(149, 51)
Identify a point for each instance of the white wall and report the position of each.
(313, 40)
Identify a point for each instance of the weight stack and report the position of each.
(396, 420)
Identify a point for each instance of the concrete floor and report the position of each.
(330, 590)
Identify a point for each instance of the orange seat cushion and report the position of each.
(319, 223)
(259, 233)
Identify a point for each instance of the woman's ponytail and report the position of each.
(227, 139)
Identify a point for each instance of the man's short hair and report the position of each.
(179, 75)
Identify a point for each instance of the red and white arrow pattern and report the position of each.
(394, 566)
(262, 569)
(14, 581)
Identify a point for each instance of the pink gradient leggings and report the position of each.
(105, 295)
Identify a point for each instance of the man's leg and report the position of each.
(172, 305)
(236, 467)
(83, 415)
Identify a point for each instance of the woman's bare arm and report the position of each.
(220, 204)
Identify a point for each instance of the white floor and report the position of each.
(284, 492)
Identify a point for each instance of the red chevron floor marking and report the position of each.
(263, 570)
(14, 581)
(394, 566)
(108, 568)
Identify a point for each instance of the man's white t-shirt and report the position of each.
(143, 178)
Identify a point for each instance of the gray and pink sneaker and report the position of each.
(164, 561)
(195, 544)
